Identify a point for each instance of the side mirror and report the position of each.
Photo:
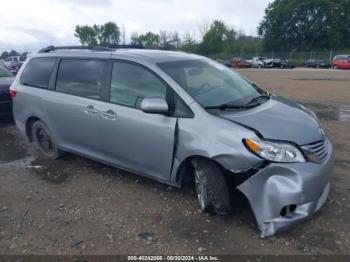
(154, 106)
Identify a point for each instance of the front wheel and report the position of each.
(211, 187)
(44, 141)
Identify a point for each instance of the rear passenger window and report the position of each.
(38, 72)
(131, 83)
(81, 77)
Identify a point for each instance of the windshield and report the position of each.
(210, 83)
(4, 72)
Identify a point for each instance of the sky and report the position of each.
(28, 25)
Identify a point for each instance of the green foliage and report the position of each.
(216, 37)
(220, 41)
(306, 25)
(86, 34)
(148, 40)
(107, 34)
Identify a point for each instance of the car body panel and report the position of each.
(138, 140)
(5, 98)
(267, 119)
(157, 145)
(316, 63)
(305, 185)
(341, 62)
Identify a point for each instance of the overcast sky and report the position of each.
(27, 25)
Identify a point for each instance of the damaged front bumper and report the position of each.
(282, 195)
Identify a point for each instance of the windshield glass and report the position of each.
(4, 72)
(210, 83)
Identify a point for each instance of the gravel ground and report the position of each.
(78, 206)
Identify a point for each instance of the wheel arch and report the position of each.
(29, 123)
(185, 170)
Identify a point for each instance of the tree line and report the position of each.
(288, 25)
(217, 38)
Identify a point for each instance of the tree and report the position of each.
(188, 40)
(135, 39)
(149, 40)
(110, 34)
(5, 55)
(86, 34)
(175, 40)
(215, 38)
(107, 34)
(164, 39)
(306, 25)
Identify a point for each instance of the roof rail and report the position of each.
(97, 48)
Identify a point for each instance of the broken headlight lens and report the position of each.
(275, 151)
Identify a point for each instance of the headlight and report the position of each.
(274, 151)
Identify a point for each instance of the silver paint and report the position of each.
(156, 145)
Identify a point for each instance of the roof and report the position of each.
(149, 55)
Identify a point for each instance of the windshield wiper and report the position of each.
(258, 98)
(228, 106)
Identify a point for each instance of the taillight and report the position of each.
(13, 92)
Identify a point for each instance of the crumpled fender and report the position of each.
(305, 185)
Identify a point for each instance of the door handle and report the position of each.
(109, 115)
(90, 110)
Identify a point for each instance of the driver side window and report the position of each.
(131, 83)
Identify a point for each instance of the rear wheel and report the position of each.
(211, 187)
(44, 141)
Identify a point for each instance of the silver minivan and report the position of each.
(171, 116)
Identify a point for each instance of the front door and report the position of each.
(132, 139)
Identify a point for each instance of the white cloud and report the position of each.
(30, 25)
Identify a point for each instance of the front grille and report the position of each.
(317, 151)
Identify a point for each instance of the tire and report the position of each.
(211, 187)
(43, 139)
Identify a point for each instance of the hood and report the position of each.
(278, 119)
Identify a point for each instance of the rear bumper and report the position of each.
(282, 195)
(5, 107)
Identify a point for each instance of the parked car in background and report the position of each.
(258, 62)
(341, 62)
(142, 110)
(237, 62)
(283, 63)
(316, 63)
(15, 68)
(225, 62)
(14, 63)
(6, 79)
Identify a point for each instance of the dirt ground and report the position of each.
(77, 206)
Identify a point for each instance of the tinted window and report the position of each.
(38, 72)
(131, 83)
(81, 77)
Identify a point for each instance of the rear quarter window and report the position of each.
(38, 72)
